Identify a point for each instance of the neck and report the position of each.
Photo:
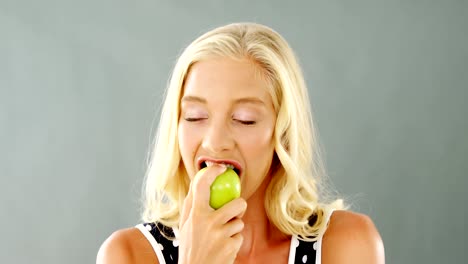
(259, 233)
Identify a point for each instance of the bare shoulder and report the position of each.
(352, 238)
(126, 246)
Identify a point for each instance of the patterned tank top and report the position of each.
(167, 250)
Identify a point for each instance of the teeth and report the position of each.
(210, 163)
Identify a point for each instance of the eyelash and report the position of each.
(190, 119)
(247, 123)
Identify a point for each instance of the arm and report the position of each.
(352, 238)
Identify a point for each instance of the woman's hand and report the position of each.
(208, 235)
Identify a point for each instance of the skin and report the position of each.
(217, 121)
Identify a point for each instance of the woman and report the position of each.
(237, 98)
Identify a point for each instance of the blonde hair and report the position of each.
(292, 198)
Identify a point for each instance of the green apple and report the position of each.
(225, 188)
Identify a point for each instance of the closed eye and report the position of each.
(246, 122)
(193, 119)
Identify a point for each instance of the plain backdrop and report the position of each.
(80, 92)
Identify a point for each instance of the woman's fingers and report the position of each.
(233, 227)
(234, 209)
(208, 235)
(237, 240)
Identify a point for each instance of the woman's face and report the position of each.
(227, 116)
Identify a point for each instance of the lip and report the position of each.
(237, 165)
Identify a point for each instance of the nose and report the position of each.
(218, 137)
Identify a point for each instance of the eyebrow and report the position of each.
(251, 100)
(190, 98)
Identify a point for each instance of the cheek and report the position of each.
(259, 145)
(187, 143)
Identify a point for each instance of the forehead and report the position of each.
(226, 77)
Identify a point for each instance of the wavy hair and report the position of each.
(292, 198)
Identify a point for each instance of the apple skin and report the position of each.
(225, 188)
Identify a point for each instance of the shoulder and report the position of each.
(126, 246)
(352, 238)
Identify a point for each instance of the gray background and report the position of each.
(81, 84)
